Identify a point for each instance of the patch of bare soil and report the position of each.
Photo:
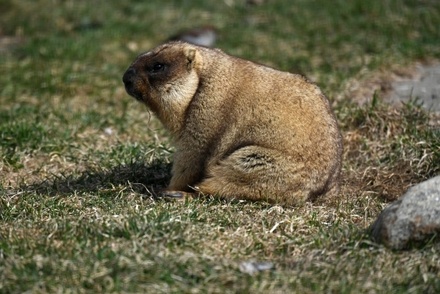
(385, 151)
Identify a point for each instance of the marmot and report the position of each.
(242, 130)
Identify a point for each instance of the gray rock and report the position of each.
(414, 217)
(203, 36)
(425, 87)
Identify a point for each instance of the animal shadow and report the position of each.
(138, 176)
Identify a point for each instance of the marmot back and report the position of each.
(242, 130)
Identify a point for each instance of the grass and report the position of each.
(81, 161)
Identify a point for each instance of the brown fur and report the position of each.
(242, 130)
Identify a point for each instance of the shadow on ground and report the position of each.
(138, 176)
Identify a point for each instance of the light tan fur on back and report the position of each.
(242, 130)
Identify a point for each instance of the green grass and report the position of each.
(81, 161)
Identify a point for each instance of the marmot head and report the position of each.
(165, 78)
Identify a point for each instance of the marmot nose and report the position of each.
(128, 76)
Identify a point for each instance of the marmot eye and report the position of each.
(157, 67)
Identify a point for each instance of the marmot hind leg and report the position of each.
(256, 173)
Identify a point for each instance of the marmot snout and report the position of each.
(242, 130)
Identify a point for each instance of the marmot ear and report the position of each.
(192, 57)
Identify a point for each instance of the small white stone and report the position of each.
(108, 131)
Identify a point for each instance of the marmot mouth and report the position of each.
(130, 91)
(135, 95)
